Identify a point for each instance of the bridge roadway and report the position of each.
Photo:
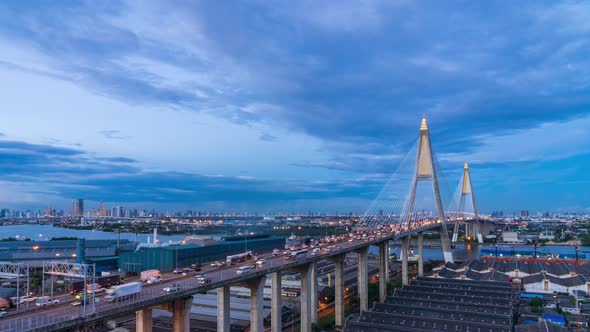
(67, 317)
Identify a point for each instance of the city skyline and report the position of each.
(290, 106)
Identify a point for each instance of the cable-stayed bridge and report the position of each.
(401, 210)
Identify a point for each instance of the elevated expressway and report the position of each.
(68, 318)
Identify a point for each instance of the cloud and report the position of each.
(113, 134)
(496, 82)
(268, 137)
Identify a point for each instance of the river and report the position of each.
(46, 232)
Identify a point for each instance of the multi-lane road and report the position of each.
(66, 315)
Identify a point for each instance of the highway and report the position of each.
(65, 315)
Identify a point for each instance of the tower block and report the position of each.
(471, 227)
(425, 171)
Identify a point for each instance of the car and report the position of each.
(3, 313)
(243, 270)
(24, 299)
(261, 262)
(188, 272)
(204, 280)
(177, 271)
(171, 288)
(154, 280)
(44, 301)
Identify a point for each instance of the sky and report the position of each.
(282, 106)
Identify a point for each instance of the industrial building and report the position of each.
(537, 276)
(167, 258)
(432, 304)
(103, 253)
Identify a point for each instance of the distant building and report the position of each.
(511, 238)
(79, 207)
(547, 235)
(524, 213)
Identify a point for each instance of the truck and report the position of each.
(232, 259)
(94, 288)
(297, 254)
(123, 291)
(147, 274)
(74, 286)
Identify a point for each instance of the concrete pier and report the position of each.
(143, 320)
(257, 304)
(339, 290)
(420, 254)
(363, 278)
(306, 298)
(277, 303)
(383, 270)
(181, 314)
(223, 309)
(404, 254)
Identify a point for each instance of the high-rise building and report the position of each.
(524, 213)
(79, 207)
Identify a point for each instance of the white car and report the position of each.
(172, 288)
(153, 280)
(3, 313)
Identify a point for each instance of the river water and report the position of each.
(46, 232)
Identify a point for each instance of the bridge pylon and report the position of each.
(426, 171)
(472, 229)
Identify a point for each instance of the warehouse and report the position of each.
(167, 258)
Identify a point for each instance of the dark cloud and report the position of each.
(268, 137)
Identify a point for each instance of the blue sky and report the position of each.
(277, 106)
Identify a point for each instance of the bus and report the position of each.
(232, 259)
(297, 254)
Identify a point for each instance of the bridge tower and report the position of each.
(426, 171)
(471, 228)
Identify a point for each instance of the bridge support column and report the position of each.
(455, 232)
(276, 302)
(306, 295)
(363, 278)
(181, 314)
(223, 309)
(143, 320)
(257, 304)
(404, 254)
(314, 293)
(420, 254)
(383, 270)
(339, 290)
(478, 234)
